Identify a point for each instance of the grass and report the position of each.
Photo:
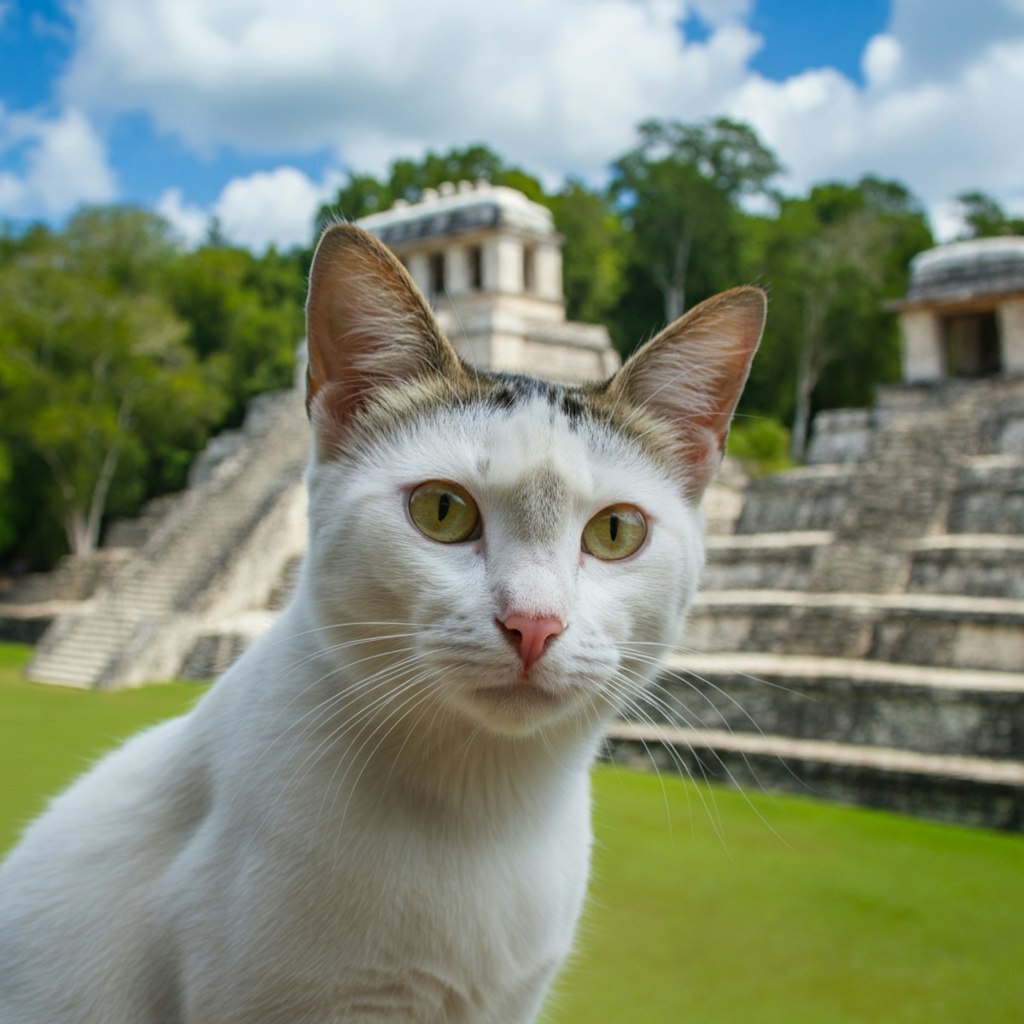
(707, 905)
(49, 734)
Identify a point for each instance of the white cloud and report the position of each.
(941, 126)
(553, 84)
(61, 163)
(267, 208)
(556, 85)
(189, 220)
(271, 208)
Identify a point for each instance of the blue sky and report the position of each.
(254, 110)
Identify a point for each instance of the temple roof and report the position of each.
(962, 271)
(453, 209)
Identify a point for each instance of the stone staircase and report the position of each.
(217, 553)
(861, 633)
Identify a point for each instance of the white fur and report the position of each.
(346, 828)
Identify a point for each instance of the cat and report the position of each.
(381, 812)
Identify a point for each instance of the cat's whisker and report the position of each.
(314, 684)
(626, 689)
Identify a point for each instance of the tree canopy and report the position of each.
(113, 373)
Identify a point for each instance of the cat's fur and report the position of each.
(381, 811)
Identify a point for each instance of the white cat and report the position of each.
(381, 811)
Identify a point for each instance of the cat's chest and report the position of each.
(422, 923)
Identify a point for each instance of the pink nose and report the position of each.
(531, 635)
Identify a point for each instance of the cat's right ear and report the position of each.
(368, 327)
(690, 377)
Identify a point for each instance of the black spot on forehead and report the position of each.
(518, 388)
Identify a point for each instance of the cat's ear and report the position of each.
(690, 377)
(368, 327)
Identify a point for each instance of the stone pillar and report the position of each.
(507, 254)
(1011, 335)
(548, 270)
(922, 346)
(457, 280)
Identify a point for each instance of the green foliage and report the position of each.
(678, 191)
(830, 260)
(119, 354)
(92, 373)
(244, 318)
(984, 218)
(362, 194)
(596, 248)
(761, 443)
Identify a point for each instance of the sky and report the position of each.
(253, 111)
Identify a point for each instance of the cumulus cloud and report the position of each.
(189, 220)
(61, 162)
(942, 129)
(275, 207)
(556, 85)
(267, 208)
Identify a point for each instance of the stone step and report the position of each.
(929, 710)
(989, 496)
(809, 498)
(965, 790)
(916, 629)
(83, 651)
(776, 561)
(976, 565)
(969, 565)
(188, 548)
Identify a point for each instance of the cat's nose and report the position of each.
(531, 635)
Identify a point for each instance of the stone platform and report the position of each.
(861, 633)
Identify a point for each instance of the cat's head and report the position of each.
(496, 547)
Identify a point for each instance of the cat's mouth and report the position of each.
(521, 706)
(522, 694)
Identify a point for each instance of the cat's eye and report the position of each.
(444, 512)
(614, 533)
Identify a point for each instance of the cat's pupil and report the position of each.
(613, 527)
(444, 503)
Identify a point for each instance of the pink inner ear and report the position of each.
(692, 374)
(367, 326)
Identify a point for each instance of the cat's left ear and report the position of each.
(368, 328)
(690, 377)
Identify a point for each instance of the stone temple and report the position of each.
(860, 633)
(964, 313)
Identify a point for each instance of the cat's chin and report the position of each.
(522, 707)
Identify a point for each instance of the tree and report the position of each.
(94, 379)
(678, 190)
(830, 260)
(983, 217)
(594, 254)
(363, 194)
(243, 317)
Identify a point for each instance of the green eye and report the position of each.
(444, 512)
(615, 533)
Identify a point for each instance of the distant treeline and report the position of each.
(121, 351)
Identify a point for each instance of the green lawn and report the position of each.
(707, 906)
